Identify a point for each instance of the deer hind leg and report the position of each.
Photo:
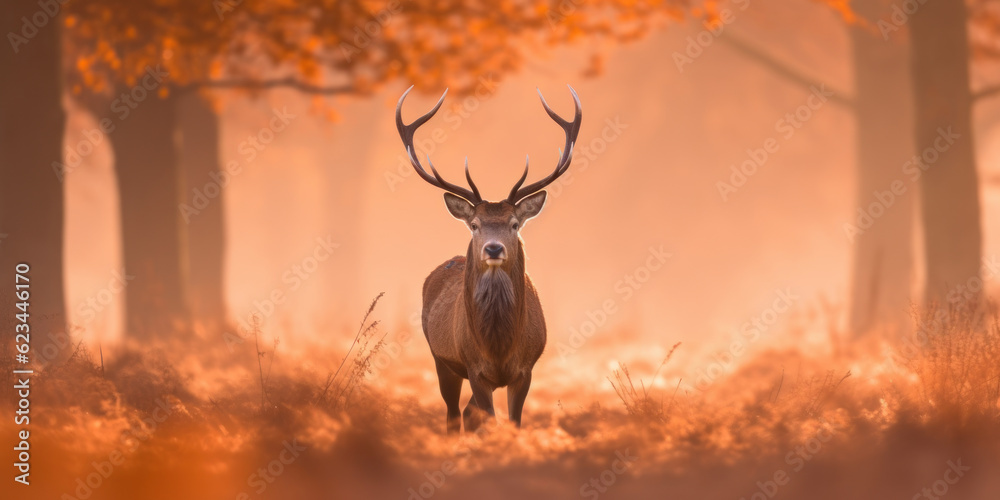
(451, 390)
(467, 414)
(480, 407)
(517, 392)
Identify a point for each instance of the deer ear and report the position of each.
(459, 207)
(530, 206)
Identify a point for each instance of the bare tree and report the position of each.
(949, 184)
(32, 122)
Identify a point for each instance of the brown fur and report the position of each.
(481, 316)
(483, 323)
(495, 311)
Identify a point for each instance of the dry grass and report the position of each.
(639, 403)
(337, 390)
(957, 361)
(365, 443)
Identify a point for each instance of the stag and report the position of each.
(481, 315)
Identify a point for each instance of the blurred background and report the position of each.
(749, 142)
(807, 170)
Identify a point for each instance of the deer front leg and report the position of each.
(451, 390)
(517, 392)
(480, 407)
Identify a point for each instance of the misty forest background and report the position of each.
(900, 84)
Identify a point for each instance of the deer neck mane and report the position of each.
(494, 302)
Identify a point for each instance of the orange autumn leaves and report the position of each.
(345, 46)
(357, 45)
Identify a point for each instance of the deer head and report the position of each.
(495, 226)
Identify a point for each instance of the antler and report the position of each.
(406, 134)
(572, 129)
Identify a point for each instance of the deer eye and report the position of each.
(514, 226)
(475, 227)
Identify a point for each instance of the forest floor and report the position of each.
(144, 428)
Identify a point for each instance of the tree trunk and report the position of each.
(944, 137)
(883, 266)
(32, 123)
(204, 186)
(149, 189)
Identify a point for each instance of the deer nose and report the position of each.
(493, 250)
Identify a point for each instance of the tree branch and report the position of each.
(781, 69)
(272, 84)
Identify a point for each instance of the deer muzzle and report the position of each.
(494, 253)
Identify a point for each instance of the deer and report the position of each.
(481, 315)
